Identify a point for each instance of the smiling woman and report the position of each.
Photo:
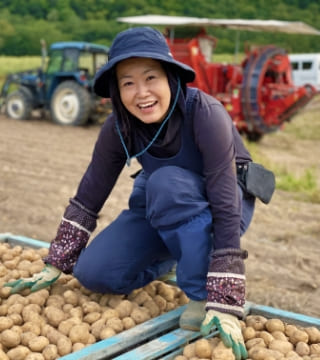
(187, 207)
(144, 89)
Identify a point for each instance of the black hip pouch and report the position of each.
(257, 181)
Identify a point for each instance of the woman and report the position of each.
(186, 207)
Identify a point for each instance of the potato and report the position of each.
(283, 346)
(33, 327)
(109, 314)
(189, 350)
(4, 309)
(166, 291)
(279, 335)
(315, 349)
(76, 312)
(3, 355)
(124, 308)
(153, 308)
(115, 324)
(139, 316)
(180, 357)
(38, 343)
(71, 297)
(5, 323)
(114, 300)
(90, 306)
(255, 342)
(64, 345)
(35, 356)
(256, 321)
(16, 318)
(221, 352)
(55, 300)
(79, 333)
(26, 337)
(267, 337)
(50, 352)
(92, 317)
(77, 347)
(274, 325)
(10, 338)
(54, 315)
(141, 297)
(203, 348)
(313, 333)
(302, 348)
(107, 333)
(128, 323)
(96, 328)
(297, 336)
(151, 289)
(161, 302)
(18, 353)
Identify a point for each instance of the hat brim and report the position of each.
(102, 77)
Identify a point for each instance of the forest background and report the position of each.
(24, 23)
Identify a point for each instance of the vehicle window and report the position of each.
(294, 65)
(70, 61)
(99, 60)
(55, 62)
(86, 62)
(307, 65)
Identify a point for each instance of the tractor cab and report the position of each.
(63, 85)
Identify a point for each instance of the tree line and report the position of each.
(24, 23)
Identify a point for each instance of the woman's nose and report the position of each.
(142, 89)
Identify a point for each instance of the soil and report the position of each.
(41, 164)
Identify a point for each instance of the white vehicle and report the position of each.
(306, 69)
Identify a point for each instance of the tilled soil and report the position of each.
(41, 165)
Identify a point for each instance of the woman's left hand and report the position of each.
(230, 331)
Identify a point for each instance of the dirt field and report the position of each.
(41, 164)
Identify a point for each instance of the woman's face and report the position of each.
(144, 89)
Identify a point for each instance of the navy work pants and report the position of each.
(168, 222)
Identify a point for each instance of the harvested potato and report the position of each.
(38, 343)
(18, 353)
(280, 345)
(64, 345)
(302, 348)
(5, 323)
(256, 321)
(50, 352)
(54, 315)
(189, 350)
(10, 338)
(115, 324)
(128, 323)
(35, 356)
(124, 308)
(26, 337)
(203, 349)
(79, 333)
(106, 333)
(96, 328)
(77, 347)
(274, 325)
(299, 335)
(139, 316)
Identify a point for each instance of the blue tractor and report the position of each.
(62, 87)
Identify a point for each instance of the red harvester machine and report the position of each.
(259, 93)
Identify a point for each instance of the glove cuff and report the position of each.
(226, 281)
(72, 236)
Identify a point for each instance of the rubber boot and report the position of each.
(192, 317)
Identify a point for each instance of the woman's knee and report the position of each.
(174, 195)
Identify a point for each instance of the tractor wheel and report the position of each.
(70, 104)
(19, 105)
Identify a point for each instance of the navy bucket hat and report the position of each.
(143, 42)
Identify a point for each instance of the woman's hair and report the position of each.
(125, 119)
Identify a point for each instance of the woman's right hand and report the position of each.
(43, 279)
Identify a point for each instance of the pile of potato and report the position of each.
(66, 317)
(265, 339)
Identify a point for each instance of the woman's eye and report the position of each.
(151, 77)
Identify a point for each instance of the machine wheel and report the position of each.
(19, 105)
(70, 104)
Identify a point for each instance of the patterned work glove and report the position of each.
(230, 331)
(38, 281)
(226, 298)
